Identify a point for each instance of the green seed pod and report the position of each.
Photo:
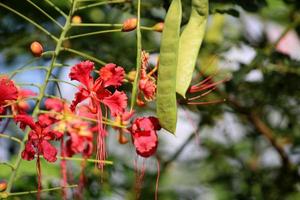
(189, 45)
(166, 107)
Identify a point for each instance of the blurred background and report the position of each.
(245, 148)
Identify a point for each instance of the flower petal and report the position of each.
(54, 104)
(29, 152)
(81, 95)
(112, 75)
(8, 90)
(48, 151)
(117, 102)
(25, 120)
(82, 72)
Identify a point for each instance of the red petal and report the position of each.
(82, 72)
(25, 120)
(29, 152)
(54, 104)
(112, 75)
(25, 93)
(116, 102)
(143, 131)
(8, 90)
(46, 120)
(81, 95)
(48, 151)
(146, 144)
(54, 135)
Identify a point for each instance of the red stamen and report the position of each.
(157, 178)
(39, 174)
(63, 165)
(207, 103)
(202, 95)
(101, 149)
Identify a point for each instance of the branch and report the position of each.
(44, 190)
(262, 129)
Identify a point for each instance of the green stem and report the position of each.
(56, 8)
(2, 135)
(30, 21)
(6, 116)
(44, 190)
(101, 3)
(29, 84)
(15, 72)
(88, 160)
(147, 28)
(96, 25)
(92, 33)
(8, 165)
(42, 93)
(138, 56)
(45, 13)
(84, 55)
(62, 81)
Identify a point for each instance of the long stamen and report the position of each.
(101, 149)
(202, 95)
(207, 103)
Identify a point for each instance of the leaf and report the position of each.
(166, 83)
(189, 45)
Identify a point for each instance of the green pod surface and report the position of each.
(166, 106)
(189, 45)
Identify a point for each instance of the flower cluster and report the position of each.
(82, 123)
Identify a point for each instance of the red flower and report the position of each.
(143, 131)
(147, 83)
(96, 91)
(38, 139)
(8, 92)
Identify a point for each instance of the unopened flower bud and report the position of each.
(36, 49)
(131, 76)
(129, 24)
(158, 27)
(3, 186)
(76, 19)
(140, 102)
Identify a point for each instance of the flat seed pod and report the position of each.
(166, 84)
(190, 43)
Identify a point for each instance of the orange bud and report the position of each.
(158, 27)
(76, 19)
(36, 49)
(122, 139)
(129, 24)
(3, 186)
(140, 102)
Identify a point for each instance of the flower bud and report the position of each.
(129, 24)
(3, 186)
(131, 76)
(76, 19)
(140, 102)
(158, 27)
(36, 49)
